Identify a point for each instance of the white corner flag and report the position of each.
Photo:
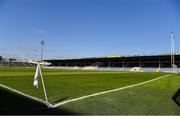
(37, 74)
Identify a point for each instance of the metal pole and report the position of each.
(44, 87)
(172, 52)
(42, 49)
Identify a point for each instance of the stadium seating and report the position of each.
(17, 64)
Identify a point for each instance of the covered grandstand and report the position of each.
(126, 62)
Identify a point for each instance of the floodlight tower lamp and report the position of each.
(42, 49)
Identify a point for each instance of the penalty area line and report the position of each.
(23, 94)
(108, 91)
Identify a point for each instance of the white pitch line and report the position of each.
(23, 94)
(104, 92)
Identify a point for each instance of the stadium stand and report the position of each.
(17, 64)
(145, 63)
(12, 62)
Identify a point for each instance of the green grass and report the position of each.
(151, 98)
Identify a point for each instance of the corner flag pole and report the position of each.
(44, 87)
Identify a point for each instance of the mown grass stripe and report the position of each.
(109, 91)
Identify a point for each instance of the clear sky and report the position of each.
(88, 28)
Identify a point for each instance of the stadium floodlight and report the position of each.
(42, 49)
(172, 52)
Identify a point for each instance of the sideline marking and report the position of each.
(108, 91)
(23, 94)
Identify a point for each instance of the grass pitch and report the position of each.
(151, 98)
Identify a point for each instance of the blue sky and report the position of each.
(87, 28)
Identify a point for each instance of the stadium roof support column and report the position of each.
(67, 63)
(140, 62)
(123, 62)
(75, 63)
(109, 64)
(59, 63)
(159, 62)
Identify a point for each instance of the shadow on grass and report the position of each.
(12, 103)
(60, 100)
(176, 97)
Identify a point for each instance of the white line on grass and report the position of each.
(23, 94)
(104, 92)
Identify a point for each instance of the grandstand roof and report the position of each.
(112, 57)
